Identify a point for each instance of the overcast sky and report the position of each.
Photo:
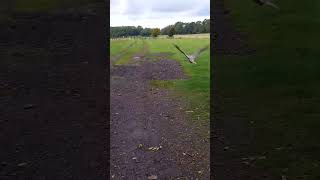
(157, 13)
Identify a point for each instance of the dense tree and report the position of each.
(171, 32)
(139, 29)
(125, 31)
(178, 27)
(155, 32)
(189, 28)
(145, 32)
(166, 30)
(206, 25)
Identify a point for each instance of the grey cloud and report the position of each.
(158, 12)
(205, 11)
(137, 7)
(169, 9)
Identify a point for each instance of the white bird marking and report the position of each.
(193, 56)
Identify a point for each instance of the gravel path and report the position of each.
(150, 134)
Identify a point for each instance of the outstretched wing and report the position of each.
(197, 54)
(180, 50)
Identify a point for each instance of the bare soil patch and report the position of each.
(150, 134)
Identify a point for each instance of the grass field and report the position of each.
(202, 36)
(123, 50)
(119, 46)
(279, 84)
(196, 89)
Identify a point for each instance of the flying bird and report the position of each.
(193, 56)
(266, 2)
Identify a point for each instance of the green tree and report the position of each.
(171, 32)
(139, 29)
(165, 30)
(155, 32)
(178, 28)
(145, 32)
(206, 25)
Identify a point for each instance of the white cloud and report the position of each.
(157, 13)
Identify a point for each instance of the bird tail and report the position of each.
(196, 54)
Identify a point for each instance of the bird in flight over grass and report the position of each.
(193, 56)
(266, 2)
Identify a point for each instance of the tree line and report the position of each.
(177, 28)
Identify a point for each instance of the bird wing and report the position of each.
(197, 54)
(180, 50)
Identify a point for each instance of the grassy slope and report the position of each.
(197, 88)
(280, 83)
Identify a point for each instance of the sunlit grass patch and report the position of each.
(118, 46)
(130, 52)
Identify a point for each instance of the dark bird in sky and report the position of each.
(266, 2)
(191, 58)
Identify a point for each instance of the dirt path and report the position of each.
(149, 133)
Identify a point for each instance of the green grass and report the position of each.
(136, 46)
(177, 36)
(118, 46)
(279, 84)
